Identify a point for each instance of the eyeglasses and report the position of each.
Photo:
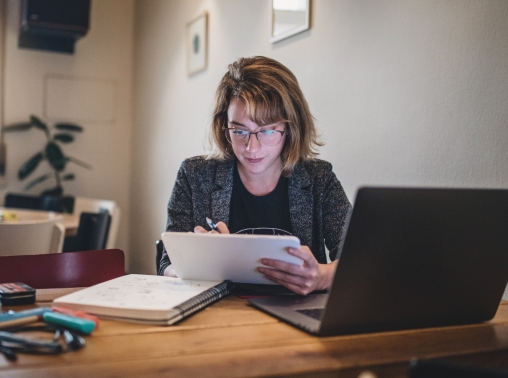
(265, 137)
(63, 341)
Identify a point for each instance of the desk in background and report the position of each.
(70, 221)
(231, 338)
(71, 224)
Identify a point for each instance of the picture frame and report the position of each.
(197, 44)
(289, 17)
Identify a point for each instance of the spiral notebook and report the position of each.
(146, 298)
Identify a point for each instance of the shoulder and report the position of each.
(316, 165)
(203, 169)
(200, 164)
(314, 173)
(313, 169)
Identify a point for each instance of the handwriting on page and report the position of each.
(153, 292)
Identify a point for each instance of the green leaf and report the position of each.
(38, 123)
(55, 156)
(68, 177)
(30, 165)
(38, 180)
(64, 137)
(69, 127)
(22, 126)
(79, 162)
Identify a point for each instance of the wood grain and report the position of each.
(231, 339)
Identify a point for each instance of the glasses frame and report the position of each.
(226, 132)
(63, 341)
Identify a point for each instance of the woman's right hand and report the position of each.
(221, 229)
(170, 271)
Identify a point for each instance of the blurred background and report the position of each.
(404, 92)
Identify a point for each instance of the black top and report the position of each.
(268, 214)
(318, 206)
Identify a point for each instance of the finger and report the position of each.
(283, 276)
(284, 266)
(222, 228)
(303, 253)
(200, 230)
(170, 271)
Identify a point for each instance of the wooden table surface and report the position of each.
(70, 221)
(71, 224)
(231, 339)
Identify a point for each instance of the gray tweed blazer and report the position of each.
(318, 205)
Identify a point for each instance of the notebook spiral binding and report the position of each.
(204, 299)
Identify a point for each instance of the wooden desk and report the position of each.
(70, 221)
(231, 339)
(71, 224)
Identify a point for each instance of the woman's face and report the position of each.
(254, 157)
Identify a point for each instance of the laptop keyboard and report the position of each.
(314, 313)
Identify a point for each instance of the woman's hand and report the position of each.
(300, 279)
(221, 229)
(170, 271)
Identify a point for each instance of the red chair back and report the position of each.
(61, 270)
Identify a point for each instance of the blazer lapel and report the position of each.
(221, 196)
(301, 204)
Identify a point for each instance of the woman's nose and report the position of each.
(253, 143)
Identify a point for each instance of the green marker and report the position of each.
(76, 324)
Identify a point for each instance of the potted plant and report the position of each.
(52, 152)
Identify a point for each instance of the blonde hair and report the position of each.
(271, 94)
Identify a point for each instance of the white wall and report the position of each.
(405, 92)
(105, 53)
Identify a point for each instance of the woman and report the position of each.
(263, 175)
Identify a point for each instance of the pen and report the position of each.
(211, 224)
(20, 321)
(12, 319)
(22, 314)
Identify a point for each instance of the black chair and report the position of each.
(92, 233)
(21, 201)
(59, 204)
(45, 202)
(159, 247)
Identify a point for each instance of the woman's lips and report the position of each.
(253, 161)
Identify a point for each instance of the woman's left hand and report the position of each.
(302, 279)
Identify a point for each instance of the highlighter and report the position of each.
(76, 313)
(84, 326)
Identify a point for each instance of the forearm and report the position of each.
(164, 263)
(336, 211)
(327, 274)
(179, 215)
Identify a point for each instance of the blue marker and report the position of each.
(13, 319)
(211, 224)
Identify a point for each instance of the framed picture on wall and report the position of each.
(197, 44)
(289, 17)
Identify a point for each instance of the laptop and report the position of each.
(411, 258)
